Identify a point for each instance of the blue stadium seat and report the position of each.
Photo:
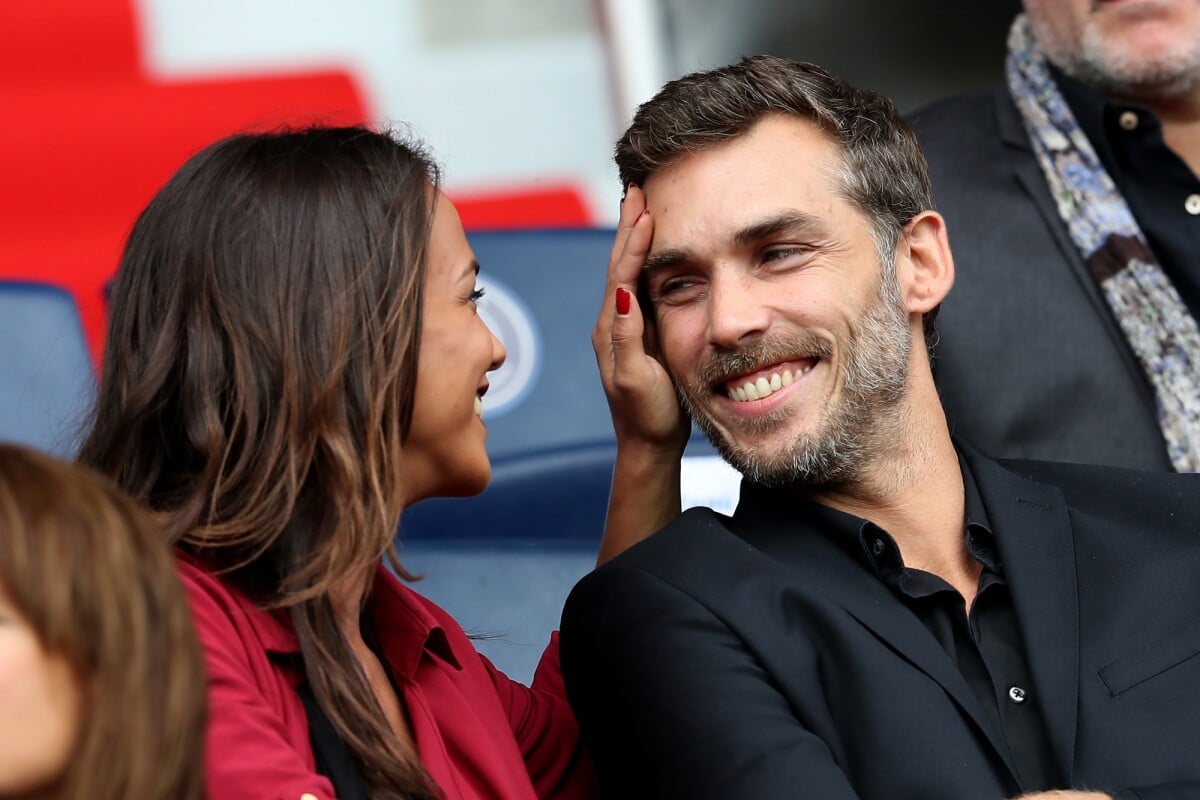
(503, 562)
(47, 382)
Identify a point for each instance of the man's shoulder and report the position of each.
(698, 535)
(1165, 500)
(1091, 477)
(688, 555)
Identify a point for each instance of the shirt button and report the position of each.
(1016, 694)
(1128, 120)
(1192, 204)
(877, 547)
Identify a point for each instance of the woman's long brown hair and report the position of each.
(259, 377)
(90, 572)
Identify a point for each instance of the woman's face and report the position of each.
(39, 708)
(445, 454)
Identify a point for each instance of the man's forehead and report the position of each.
(777, 155)
(778, 129)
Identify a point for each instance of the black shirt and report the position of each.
(985, 645)
(1159, 187)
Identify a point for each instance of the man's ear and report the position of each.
(924, 265)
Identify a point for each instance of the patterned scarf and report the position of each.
(1160, 330)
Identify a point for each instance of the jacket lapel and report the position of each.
(1028, 174)
(1037, 550)
(827, 569)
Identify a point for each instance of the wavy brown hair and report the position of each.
(259, 378)
(89, 571)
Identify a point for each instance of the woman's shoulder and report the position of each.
(222, 613)
(206, 587)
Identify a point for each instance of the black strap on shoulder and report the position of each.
(330, 750)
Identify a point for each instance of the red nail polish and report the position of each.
(622, 301)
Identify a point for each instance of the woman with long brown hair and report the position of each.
(294, 357)
(101, 677)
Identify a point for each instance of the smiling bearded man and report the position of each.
(889, 613)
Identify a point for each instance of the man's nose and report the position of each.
(737, 310)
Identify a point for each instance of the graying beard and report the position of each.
(1093, 64)
(876, 369)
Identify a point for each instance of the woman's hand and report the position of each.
(651, 429)
(645, 410)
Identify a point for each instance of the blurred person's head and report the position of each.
(101, 678)
(1146, 49)
(294, 356)
(794, 258)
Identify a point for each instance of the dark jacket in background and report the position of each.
(1031, 362)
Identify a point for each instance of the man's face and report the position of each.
(787, 341)
(1125, 48)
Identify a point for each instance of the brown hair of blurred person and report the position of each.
(884, 173)
(90, 573)
(259, 380)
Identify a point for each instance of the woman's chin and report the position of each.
(465, 485)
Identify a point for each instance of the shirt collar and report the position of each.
(1097, 115)
(405, 628)
(981, 540)
(876, 549)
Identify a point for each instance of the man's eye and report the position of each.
(782, 253)
(675, 285)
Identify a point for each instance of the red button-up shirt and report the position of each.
(478, 734)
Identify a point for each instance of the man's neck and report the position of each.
(913, 489)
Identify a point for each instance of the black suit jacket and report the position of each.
(1031, 362)
(753, 657)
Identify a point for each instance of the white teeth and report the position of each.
(764, 387)
(478, 406)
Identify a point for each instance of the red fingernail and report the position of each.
(622, 301)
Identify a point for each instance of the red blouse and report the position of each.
(479, 734)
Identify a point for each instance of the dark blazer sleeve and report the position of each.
(672, 703)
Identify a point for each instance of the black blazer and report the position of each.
(754, 657)
(1031, 363)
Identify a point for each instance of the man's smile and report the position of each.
(761, 384)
